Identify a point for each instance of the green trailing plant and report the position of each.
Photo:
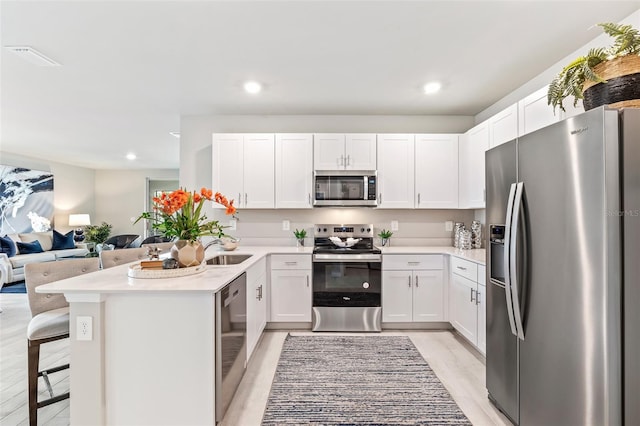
(300, 234)
(97, 233)
(385, 234)
(570, 81)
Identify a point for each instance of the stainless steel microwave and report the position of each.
(345, 188)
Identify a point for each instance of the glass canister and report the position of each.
(459, 226)
(465, 239)
(476, 234)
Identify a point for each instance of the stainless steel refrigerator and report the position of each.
(563, 299)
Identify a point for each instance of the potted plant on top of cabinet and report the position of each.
(604, 76)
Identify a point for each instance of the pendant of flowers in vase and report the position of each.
(179, 215)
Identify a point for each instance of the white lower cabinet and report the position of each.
(412, 288)
(291, 290)
(467, 301)
(256, 304)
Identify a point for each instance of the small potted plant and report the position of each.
(604, 76)
(385, 236)
(300, 236)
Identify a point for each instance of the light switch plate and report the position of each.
(233, 224)
(448, 225)
(394, 225)
(286, 225)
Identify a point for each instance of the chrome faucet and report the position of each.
(212, 242)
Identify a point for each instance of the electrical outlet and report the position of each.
(84, 328)
(286, 225)
(394, 225)
(233, 224)
(448, 225)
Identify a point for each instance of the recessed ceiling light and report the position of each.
(431, 88)
(32, 55)
(175, 134)
(131, 156)
(252, 87)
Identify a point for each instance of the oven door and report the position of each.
(347, 280)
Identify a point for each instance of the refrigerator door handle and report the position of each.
(507, 252)
(517, 312)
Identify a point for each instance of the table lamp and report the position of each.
(79, 220)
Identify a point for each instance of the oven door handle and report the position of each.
(347, 258)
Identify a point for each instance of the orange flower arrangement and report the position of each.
(179, 214)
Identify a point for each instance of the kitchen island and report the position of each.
(150, 360)
(150, 357)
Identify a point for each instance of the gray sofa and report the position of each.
(12, 268)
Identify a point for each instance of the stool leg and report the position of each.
(33, 362)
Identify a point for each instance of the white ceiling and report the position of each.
(130, 69)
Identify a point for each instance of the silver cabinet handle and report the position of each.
(461, 268)
(258, 293)
(307, 280)
(478, 294)
(309, 198)
(239, 198)
(290, 263)
(342, 160)
(348, 160)
(413, 263)
(472, 298)
(409, 280)
(245, 199)
(380, 198)
(418, 198)
(417, 281)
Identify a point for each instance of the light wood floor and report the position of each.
(459, 367)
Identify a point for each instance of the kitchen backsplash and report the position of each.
(415, 227)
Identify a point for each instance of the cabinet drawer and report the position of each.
(290, 261)
(482, 275)
(391, 262)
(464, 268)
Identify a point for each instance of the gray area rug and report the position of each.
(354, 380)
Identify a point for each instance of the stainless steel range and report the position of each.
(347, 279)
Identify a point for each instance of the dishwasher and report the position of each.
(231, 341)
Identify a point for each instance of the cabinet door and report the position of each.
(360, 151)
(503, 126)
(294, 171)
(397, 296)
(290, 295)
(259, 171)
(462, 307)
(395, 171)
(473, 145)
(482, 318)
(228, 166)
(534, 113)
(436, 171)
(428, 296)
(328, 151)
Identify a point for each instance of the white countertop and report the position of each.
(475, 255)
(115, 280)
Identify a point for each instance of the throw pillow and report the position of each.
(28, 248)
(63, 242)
(7, 246)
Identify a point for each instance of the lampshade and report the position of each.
(79, 220)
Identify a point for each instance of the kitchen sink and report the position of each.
(228, 259)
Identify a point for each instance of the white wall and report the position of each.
(121, 197)
(73, 187)
(419, 227)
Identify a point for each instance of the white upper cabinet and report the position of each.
(244, 166)
(332, 151)
(294, 171)
(395, 171)
(436, 171)
(473, 146)
(534, 113)
(503, 126)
